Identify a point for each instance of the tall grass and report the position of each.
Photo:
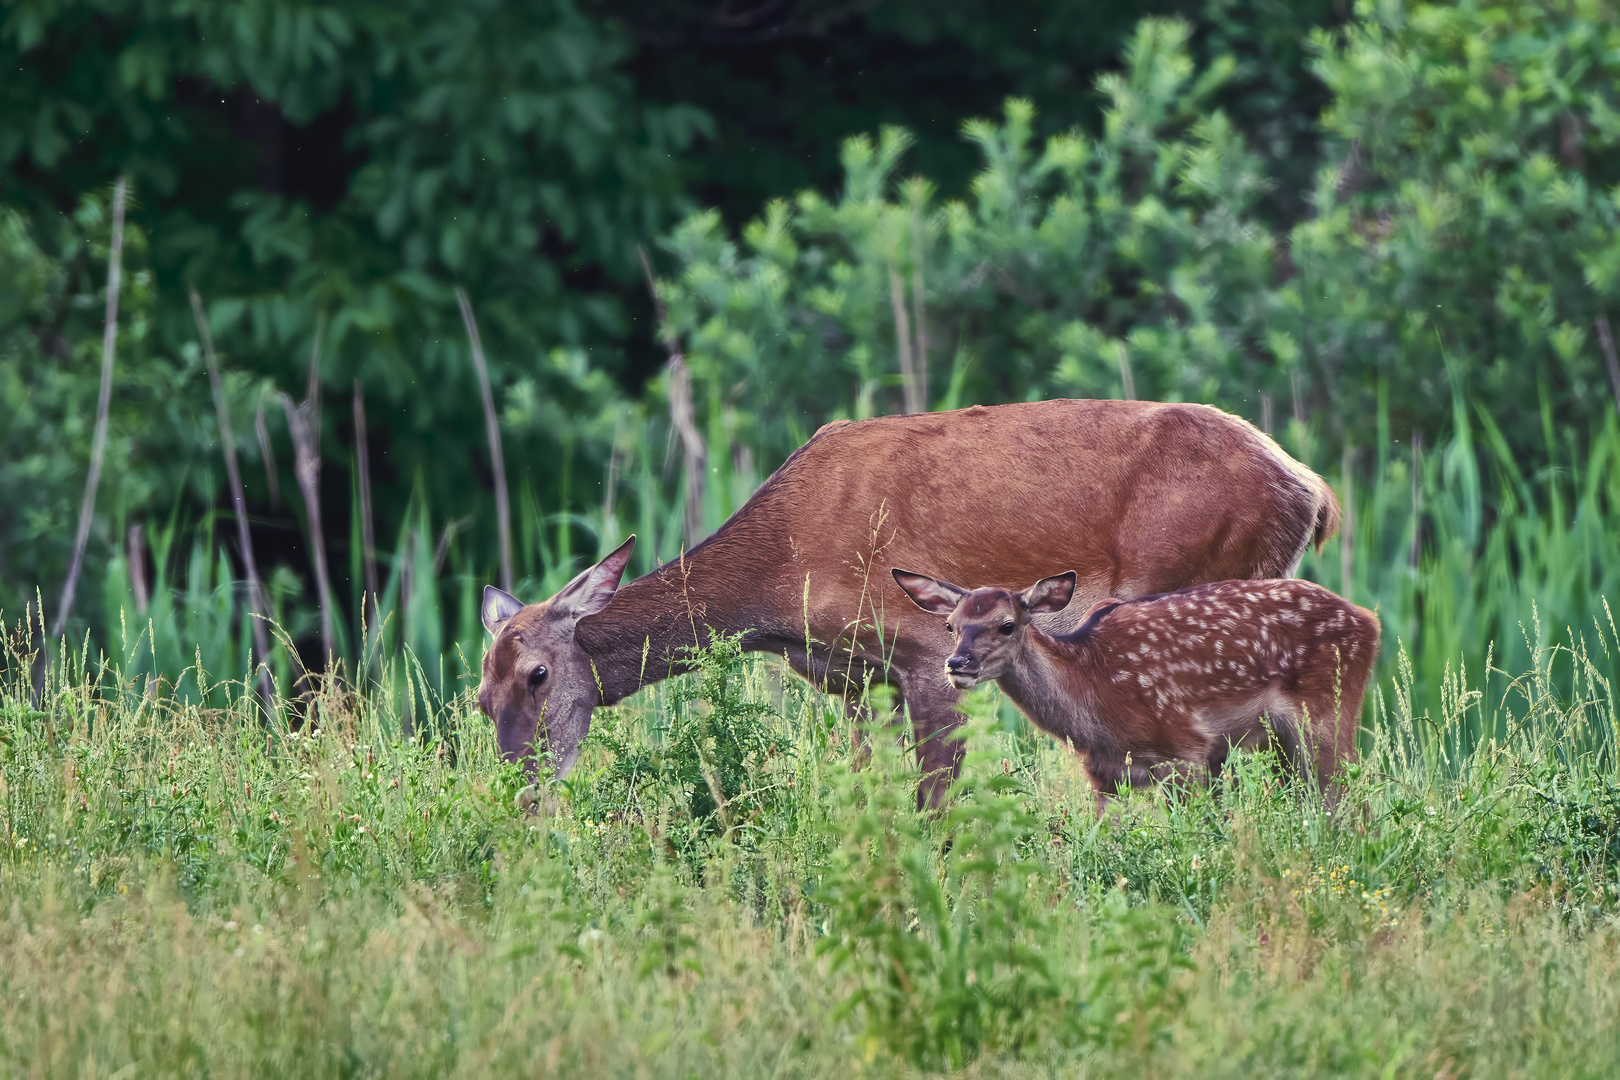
(188, 887)
(1468, 561)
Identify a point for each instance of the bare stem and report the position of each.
(367, 536)
(303, 421)
(1347, 530)
(262, 431)
(244, 538)
(503, 508)
(682, 412)
(910, 391)
(918, 311)
(98, 442)
(1606, 342)
(135, 560)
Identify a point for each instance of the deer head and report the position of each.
(534, 670)
(987, 625)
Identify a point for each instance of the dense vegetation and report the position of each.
(194, 891)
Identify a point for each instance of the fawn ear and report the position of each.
(1049, 594)
(592, 589)
(939, 597)
(498, 607)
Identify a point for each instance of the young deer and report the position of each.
(1165, 686)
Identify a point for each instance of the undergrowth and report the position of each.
(199, 890)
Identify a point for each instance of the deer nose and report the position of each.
(957, 662)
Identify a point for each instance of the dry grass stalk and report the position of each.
(910, 390)
(682, 412)
(304, 423)
(257, 609)
(368, 538)
(98, 446)
(492, 427)
(1417, 500)
(98, 441)
(266, 455)
(1610, 360)
(918, 312)
(1347, 527)
(135, 560)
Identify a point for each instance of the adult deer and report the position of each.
(1137, 497)
(1165, 686)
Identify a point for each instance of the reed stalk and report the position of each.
(910, 390)
(682, 413)
(492, 427)
(244, 537)
(368, 539)
(98, 441)
(304, 423)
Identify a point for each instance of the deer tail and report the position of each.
(1327, 514)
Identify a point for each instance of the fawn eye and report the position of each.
(948, 628)
(1008, 628)
(537, 676)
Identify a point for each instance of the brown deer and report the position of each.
(1138, 497)
(1164, 686)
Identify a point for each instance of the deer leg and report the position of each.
(934, 723)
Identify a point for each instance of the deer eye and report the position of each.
(1008, 628)
(537, 676)
(948, 628)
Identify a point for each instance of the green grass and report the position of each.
(190, 888)
(186, 890)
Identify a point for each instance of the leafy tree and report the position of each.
(493, 145)
(1461, 241)
(1134, 259)
(1467, 237)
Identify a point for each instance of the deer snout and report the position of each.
(959, 669)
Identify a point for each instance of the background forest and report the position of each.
(1385, 233)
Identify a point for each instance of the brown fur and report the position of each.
(1139, 497)
(1164, 686)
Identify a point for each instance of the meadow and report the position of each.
(345, 886)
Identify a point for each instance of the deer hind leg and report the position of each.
(1180, 776)
(1109, 770)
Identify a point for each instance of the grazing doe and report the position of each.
(1165, 686)
(1136, 497)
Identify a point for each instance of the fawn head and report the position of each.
(987, 625)
(535, 671)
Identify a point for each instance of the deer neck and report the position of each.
(646, 632)
(1045, 681)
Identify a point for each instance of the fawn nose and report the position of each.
(957, 662)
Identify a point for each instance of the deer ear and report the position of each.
(939, 597)
(591, 590)
(1049, 594)
(498, 607)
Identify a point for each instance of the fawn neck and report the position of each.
(1046, 679)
